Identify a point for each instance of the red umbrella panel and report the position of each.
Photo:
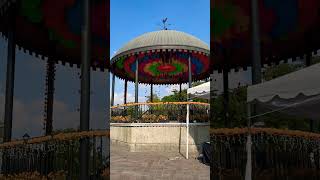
(157, 68)
(53, 29)
(287, 29)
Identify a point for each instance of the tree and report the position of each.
(237, 109)
(280, 70)
(155, 98)
(177, 97)
(315, 60)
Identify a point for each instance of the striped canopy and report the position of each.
(288, 29)
(162, 58)
(53, 29)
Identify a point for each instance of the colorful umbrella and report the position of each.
(163, 58)
(285, 30)
(53, 29)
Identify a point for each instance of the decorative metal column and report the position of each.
(136, 81)
(49, 96)
(125, 96)
(9, 87)
(225, 74)
(125, 91)
(10, 77)
(256, 74)
(107, 125)
(180, 90)
(136, 87)
(189, 72)
(151, 93)
(113, 85)
(85, 90)
(108, 112)
(256, 55)
(180, 99)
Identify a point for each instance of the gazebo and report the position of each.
(253, 33)
(163, 57)
(160, 57)
(67, 32)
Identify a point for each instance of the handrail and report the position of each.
(270, 131)
(156, 124)
(160, 103)
(59, 137)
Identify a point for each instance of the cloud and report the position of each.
(176, 87)
(119, 99)
(28, 117)
(235, 78)
(65, 117)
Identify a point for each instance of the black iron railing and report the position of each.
(160, 112)
(276, 154)
(57, 154)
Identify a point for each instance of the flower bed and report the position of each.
(120, 119)
(59, 175)
(146, 118)
(57, 137)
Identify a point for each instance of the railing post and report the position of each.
(188, 108)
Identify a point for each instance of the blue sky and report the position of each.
(131, 18)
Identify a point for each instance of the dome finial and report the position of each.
(165, 25)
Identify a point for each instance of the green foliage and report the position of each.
(280, 70)
(176, 96)
(155, 98)
(315, 60)
(284, 121)
(236, 106)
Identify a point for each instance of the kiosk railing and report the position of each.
(160, 112)
(54, 157)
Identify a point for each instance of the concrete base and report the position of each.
(160, 137)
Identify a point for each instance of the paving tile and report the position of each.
(154, 166)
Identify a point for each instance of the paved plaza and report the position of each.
(127, 165)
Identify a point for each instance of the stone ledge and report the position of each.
(160, 139)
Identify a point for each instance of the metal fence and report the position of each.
(159, 112)
(283, 154)
(47, 155)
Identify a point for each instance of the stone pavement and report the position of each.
(127, 165)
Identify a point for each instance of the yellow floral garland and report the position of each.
(57, 137)
(34, 176)
(270, 131)
(37, 176)
(106, 173)
(160, 103)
